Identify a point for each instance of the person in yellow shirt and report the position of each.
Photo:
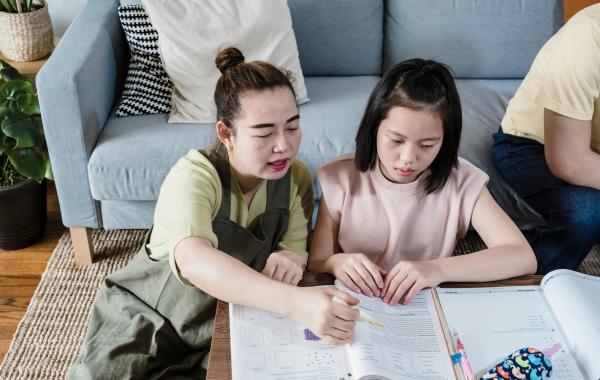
(548, 147)
(231, 223)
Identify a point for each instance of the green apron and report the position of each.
(146, 324)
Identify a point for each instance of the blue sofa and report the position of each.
(109, 170)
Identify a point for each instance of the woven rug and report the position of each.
(51, 333)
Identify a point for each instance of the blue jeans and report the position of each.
(572, 212)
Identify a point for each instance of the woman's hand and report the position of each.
(407, 278)
(330, 321)
(357, 272)
(284, 266)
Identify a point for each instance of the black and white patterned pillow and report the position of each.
(147, 87)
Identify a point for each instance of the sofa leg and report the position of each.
(82, 245)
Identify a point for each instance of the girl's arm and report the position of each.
(230, 280)
(355, 270)
(508, 255)
(325, 240)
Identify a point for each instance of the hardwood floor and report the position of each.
(20, 273)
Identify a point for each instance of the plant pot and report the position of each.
(22, 214)
(26, 36)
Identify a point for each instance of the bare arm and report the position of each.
(355, 270)
(508, 253)
(228, 279)
(567, 150)
(264, 293)
(325, 240)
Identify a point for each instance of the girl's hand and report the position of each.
(284, 266)
(407, 278)
(357, 272)
(330, 321)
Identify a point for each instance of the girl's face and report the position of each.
(407, 143)
(267, 134)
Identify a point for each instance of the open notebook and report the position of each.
(565, 309)
(414, 342)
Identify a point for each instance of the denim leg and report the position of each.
(572, 212)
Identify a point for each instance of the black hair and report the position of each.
(417, 84)
(239, 76)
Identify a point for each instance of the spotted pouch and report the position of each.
(524, 364)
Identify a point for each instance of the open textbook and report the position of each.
(414, 342)
(565, 309)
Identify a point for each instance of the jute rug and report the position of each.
(50, 335)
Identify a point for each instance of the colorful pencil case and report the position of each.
(524, 364)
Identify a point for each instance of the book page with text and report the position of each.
(267, 345)
(496, 321)
(411, 344)
(575, 300)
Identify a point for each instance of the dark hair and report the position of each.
(420, 85)
(238, 76)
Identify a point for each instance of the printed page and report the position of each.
(494, 322)
(410, 345)
(266, 345)
(575, 300)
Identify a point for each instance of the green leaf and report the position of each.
(7, 4)
(3, 146)
(49, 173)
(28, 104)
(15, 87)
(29, 163)
(9, 142)
(4, 110)
(24, 131)
(27, 5)
(8, 73)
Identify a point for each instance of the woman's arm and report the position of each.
(230, 280)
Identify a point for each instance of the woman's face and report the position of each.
(407, 143)
(267, 134)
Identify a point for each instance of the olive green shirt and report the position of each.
(190, 198)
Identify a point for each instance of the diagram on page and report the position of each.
(273, 346)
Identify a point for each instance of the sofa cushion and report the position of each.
(147, 87)
(342, 37)
(191, 33)
(134, 154)
(477, 38)
(483, 104)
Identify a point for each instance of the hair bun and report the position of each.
(228, 58)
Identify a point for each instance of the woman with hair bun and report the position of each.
(231, 223)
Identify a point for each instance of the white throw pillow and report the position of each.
(192, 32)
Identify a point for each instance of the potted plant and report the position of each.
(25, 30)
(24, 162)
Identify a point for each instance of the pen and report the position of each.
(362, 314)
(464, 360)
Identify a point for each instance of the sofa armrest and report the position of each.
(77, 88)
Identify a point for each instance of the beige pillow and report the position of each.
(192, 32)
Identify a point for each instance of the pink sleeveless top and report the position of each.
(390, 222)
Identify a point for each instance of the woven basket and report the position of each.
(26, 36)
